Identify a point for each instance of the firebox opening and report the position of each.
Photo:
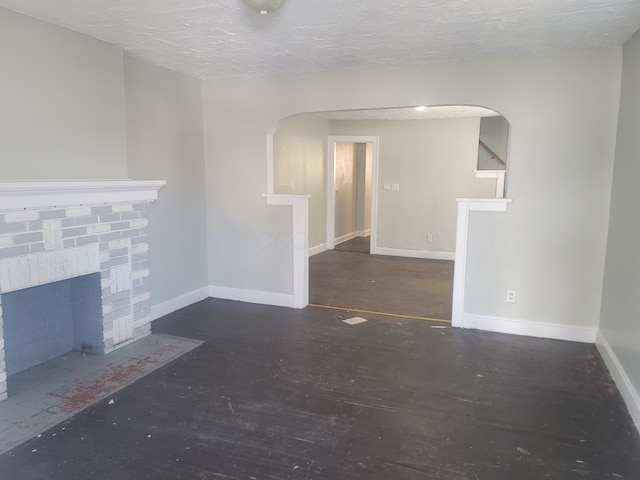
(49, 320)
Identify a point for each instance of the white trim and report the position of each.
(169, 306)
(573, 333)
(252, 296)
(39, 194)
(363, 233)
(623, 382)
(300, 244)
(331, 182)
(316, 249)
(465, 206)
(345, 238)
(431, 255)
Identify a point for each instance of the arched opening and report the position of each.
(422, 160)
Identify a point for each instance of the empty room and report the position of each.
(174, 191)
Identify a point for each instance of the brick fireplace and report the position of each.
(77, 232)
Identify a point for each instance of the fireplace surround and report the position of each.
(52, 231)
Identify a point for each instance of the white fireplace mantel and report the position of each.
(15, 195)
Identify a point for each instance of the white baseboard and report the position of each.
(623, 382)
(363, 233)
(181, 301)
(344, 238)
(572, 333)
(430, 255)
(252, 296)
(316, 249)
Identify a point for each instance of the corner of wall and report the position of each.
(619, 375)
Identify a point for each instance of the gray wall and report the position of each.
(66, 115)
(620, 300)
(164, 126)
(552, 237)
(300, 155)
(62, 112)
(433, 163)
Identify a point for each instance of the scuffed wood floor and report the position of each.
(404, 286)
(275, 393)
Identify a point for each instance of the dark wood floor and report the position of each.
(357, 244)
(405, 286)
(276, 393)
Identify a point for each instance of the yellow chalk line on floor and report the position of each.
(397, 315)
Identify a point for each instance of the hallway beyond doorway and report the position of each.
(357, 244)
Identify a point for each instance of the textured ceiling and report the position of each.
(224, 38)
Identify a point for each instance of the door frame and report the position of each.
(331, 185)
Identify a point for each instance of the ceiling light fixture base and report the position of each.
(264, 7)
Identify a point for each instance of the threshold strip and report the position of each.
(397, 315)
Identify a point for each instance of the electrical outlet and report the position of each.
(395, 187)
(511, 296)
(429, 238)
(386, 186)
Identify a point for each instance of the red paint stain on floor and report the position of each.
(87, 391)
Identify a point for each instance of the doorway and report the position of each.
(352, 182)
(352, 163)
(429, 162)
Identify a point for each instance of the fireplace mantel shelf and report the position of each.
(17, 195)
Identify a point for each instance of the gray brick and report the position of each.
(137, 266)
(139, 290)
(129, 215)
(139, 257)
(141, 330)
(32, 237)
(139, 282)
(69, 242)
(17, 227)
(140, 239)
(67, 222)
(110, 317)
(114, 262)
(141, 207)
(103, 246)
(107, 237)
(109, 217)
(114, 297)
(88, 220)
(87, 240)
(122, 304)
(37, 247)
(119, 252)
(48, 214)
(74, 232)
(130, 233)
(102, 209)
(119, 225)
(14, 251)
(35, 225)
